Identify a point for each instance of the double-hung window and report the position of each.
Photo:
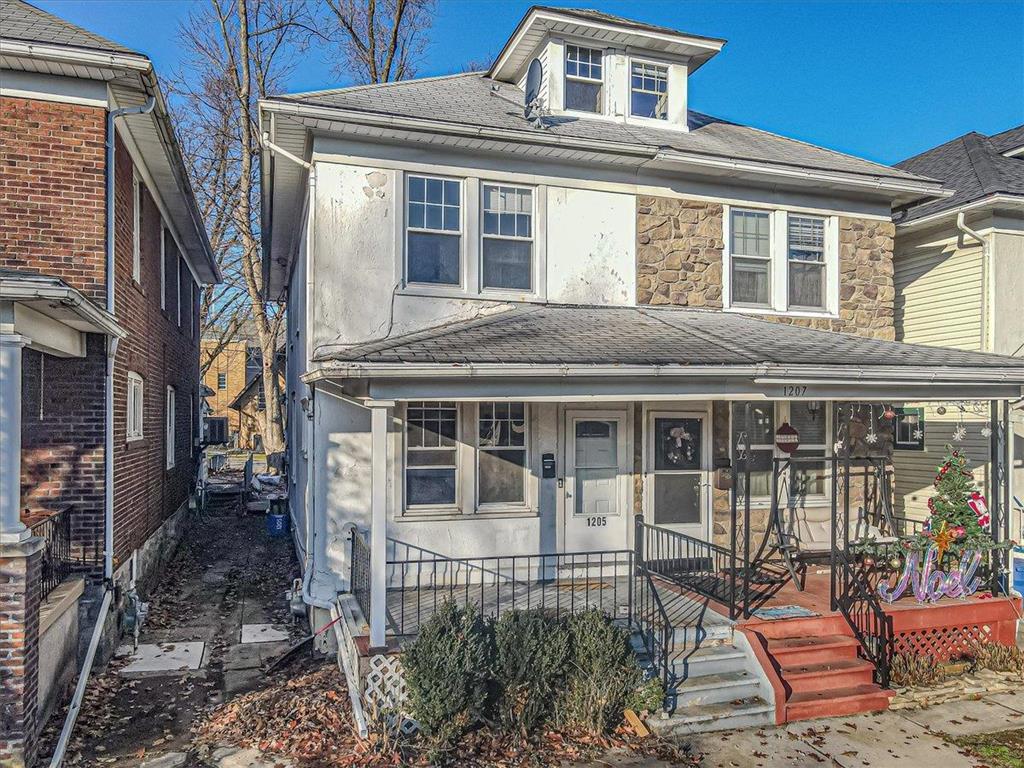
(136, 228)
(133, 417)
(810, 419)
(431, 454)
(170, 431)
(501, 454)
(909, 429)
(648, 95)
(758, 443)
(507, 250)
(805, 253)
(584, 79)
(750, 251)
(433, 230)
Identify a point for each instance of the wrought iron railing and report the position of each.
(655, 628)
(359, 572)
(58, 561)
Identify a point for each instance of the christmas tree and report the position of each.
(959, 518)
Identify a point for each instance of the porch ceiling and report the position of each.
(655, 352)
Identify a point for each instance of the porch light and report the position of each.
(813, 409)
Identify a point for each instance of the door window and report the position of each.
(597, 466)
(677, 471)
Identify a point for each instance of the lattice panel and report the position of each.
(385, 694)
(942, 643)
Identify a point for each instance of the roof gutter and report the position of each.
(66, 296)
(1012, 201)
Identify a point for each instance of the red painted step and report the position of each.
(828, 675)
(837, 702)
(793, 651)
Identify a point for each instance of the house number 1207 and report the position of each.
(794, 390)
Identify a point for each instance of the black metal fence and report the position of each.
(359, 573)
(58, 560)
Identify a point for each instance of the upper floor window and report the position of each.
(136, 228)
(433, 231)
(133, 415)
(222, 381)
(750, 234)
(584, 79)
(163, 266)
(648, 96)
(507, 251)
(806, 257)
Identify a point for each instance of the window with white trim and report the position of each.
(750, 249)
(136, 228)
(433, 230)
(648, 90)
(501, 454)
(507, 251)
(170, 430)
(909, 429)
(584, 79)
(177, 276)
(759, 442)
(805, 254)
(133, 411)
(163, 265)
(431, 454)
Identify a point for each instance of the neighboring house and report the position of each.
(512, 328)
(249, 407)
(234, 366)
(960, 283)
(102, 258)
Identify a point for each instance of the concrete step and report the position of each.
(796, 651)
(828, 675)
(717, 689)
(706, 635)
(837, 702)
(709, 660)
(745, 713)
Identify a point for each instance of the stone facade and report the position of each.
(679, 263)
(679, 252)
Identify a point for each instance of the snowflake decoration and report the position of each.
(960, 433)
(986, 431)
(918, 433)
(837, 447)
(871, 438)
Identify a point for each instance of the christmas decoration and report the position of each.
(787, 438)
(929, 583)
(837, 447)
(960, 432)
(986, 431)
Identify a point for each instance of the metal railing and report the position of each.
(58, 560)
(359, 572)
(655, 628)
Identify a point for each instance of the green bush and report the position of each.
(530, 655)
(446, 672)
(603, 674)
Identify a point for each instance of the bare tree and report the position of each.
(237, 51)
(381, 40)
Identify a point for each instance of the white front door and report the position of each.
(677, 459)
(596, 481)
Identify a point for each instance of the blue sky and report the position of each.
(879, 80)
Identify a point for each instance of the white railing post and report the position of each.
(380, 419)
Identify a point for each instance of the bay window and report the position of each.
(648, 91)
(501, 454)
(584, 79)
(507, 250)
(750, 248)
(806, 261)
(433, 230)
(431, 454)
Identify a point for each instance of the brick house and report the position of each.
(233, 367)
(102, 258)
(556, 339)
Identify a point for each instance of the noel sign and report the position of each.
(930, 584)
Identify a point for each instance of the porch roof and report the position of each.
(682, 339)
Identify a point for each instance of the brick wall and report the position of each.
(680, 261)
(62, 438)
(164, 354)
(52, 191)
(19, 653)
(230, 361)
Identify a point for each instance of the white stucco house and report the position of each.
(513, 326)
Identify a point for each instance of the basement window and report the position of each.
(584, 79)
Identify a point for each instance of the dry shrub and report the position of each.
(915, 671)
(998, 658)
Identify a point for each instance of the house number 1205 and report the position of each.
(597, 522)
(794, 390)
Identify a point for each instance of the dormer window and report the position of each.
(584, 79)
(648, 96)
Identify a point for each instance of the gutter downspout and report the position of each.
(108, 448)
(985, 281)
(307, 572)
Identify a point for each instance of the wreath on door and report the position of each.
(679, 446)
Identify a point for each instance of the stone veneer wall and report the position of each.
(679, 262)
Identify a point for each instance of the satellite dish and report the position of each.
(533, 80)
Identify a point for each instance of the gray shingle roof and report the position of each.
(21, 21)
(583, 335)
(973, 166)
(466, 99)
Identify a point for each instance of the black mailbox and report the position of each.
(547, 463)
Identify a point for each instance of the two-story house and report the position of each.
(528, 305)
(103, 254)
(960, 283)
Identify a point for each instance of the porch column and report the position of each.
(380, 419)
(12, 530)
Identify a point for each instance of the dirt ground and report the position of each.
(227, 572)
